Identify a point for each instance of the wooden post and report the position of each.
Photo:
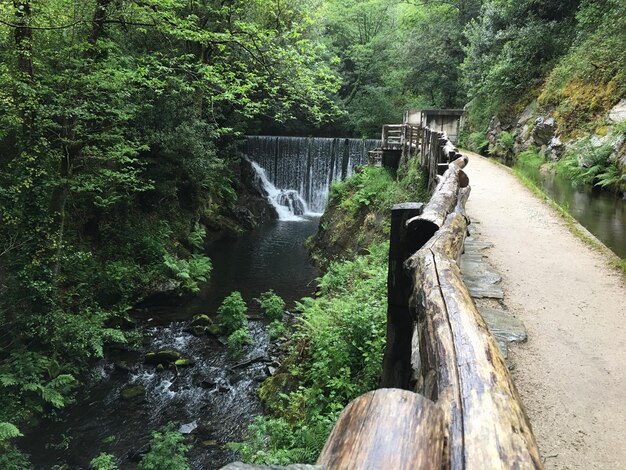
(396, 362)
(461, 365)
(386, 429)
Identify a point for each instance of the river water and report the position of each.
(215, 399)
(218, 400)
(600, 212)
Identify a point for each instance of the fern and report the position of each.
(8, 431)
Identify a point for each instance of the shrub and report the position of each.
(504, 145)
(232, 314)
(238, 339)
(103, 461)
(273, 306)
(586, 163)
(189, 272)
(276, 329)
(167, 451)
(12, 459)
(477, 142)
(336, 355)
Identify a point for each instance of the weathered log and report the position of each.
(386, 428)
(460, 364)
(440, 205)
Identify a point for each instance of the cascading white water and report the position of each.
(307, 165)
(288, 203)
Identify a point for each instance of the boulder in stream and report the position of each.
(132, 391)
(167, 357)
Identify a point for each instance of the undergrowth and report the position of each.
(587, 164)
(335, 355)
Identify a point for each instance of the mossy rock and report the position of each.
(184, 362)
(163, 356)
(132, 391)
(273, 387)
(201, 320)
(122, 366)
(199, 330)
(214, 329)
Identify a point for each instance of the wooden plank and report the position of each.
(386, 429)
(440, 205)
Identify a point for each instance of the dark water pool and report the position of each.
(215, 398)
(600, 212)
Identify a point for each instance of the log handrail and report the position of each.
(459, 398)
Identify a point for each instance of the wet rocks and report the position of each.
(202, 325)
(122, 366)
(188, 428)
(292, 200)
(132, 391)
(164, 358)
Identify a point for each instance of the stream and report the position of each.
(213, 401)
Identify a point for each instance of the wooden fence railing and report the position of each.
(447, 400)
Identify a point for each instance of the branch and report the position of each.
(76, 23)
(431, 2)
(65, 26)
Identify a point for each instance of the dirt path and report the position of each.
(571, 373)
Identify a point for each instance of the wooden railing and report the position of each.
(447, 400)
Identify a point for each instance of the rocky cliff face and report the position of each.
(541, 131)
(250, 209)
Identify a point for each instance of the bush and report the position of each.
(167, 451)
(586, 163)
(273, 306)
(238, 339)
(477, 142)
(336, 355)
(504, 146)
(232, 314)
(103, 461)
(276, 329)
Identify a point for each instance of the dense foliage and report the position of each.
(119, 121)
(117, 125)
(336, 356)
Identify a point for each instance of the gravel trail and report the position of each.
(571, 374)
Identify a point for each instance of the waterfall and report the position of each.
(305, 167)
(288, 203)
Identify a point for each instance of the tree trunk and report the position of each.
(24, 38)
